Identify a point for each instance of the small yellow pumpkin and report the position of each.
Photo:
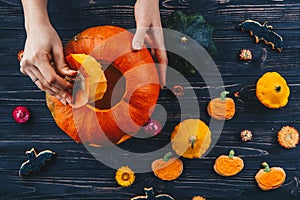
(191, 138)
(272, 90)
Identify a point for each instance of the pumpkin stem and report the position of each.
(192, 140)
(278, 88)
(231, 153)
(223, 95)
(167, 157)
(266, 166)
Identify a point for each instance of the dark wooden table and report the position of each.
(76, 174)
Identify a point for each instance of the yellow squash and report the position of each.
(191, 138)
(272, 90)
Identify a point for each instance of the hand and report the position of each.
(149, 29)
(42, 46)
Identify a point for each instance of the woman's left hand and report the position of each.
(149, 30)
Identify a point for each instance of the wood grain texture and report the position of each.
(76, 174)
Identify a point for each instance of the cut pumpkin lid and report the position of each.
(90, 84)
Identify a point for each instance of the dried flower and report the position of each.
(153, 127)
(198, 198)
(236, 94)
(20, 55)
(124, 176)
(246, 135)
(21, 114)
(245, 55)
(288, 137)
(178, 90)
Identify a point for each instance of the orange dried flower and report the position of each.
(198, 198)
(246, 135)
(288, 137)
(178, 90)
(245, 55)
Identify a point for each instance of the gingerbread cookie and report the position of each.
(263, 32)
(228, 165)
(270, 178)
(149, 194)
(35, 162)
(168, 168)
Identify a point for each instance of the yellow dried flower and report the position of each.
(124, 176)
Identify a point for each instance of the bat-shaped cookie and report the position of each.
(263, 32)
(149, 194)
(35, 162)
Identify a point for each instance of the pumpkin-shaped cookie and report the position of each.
(167, 168)
(270, 178)
(272, 90)
(191, 138)
(222, 108)
(228, 165)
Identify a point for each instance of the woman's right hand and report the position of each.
(42, 46)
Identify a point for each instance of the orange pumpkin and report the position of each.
(132, 89)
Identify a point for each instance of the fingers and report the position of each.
(22, 70)
(154, 37)
(162, 58)
(139, 38)
(40, 82)
(52, 77)
(47, 79)
(65, 70)
(158, 50)
(161, 55)
(59, 60)
(53, 86)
